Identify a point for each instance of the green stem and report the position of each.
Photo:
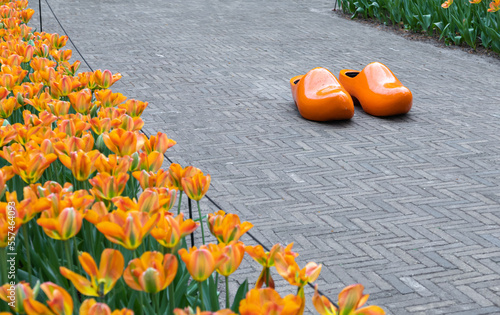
(268, 274)
(28, 255)
(179, 205)
(156, 303)
(3, 257)
(227, 292)
(200, 291)
(171, 298)
(201, 222)
(70, 267)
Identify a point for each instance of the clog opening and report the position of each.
(352, 74)
(296, 81)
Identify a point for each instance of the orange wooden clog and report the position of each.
(319, 96)
(378, 90)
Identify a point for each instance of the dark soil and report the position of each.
(434, 39)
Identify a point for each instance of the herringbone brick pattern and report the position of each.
(407, 206)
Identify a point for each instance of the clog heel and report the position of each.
(378, 90)
(319, 96)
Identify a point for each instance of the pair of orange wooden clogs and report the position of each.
(321, 97)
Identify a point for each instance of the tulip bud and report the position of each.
(100, 145)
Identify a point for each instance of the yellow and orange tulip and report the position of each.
(106, 186)
(201, 262)
(351, 301)
(269, 302)
(227, 227)
(151, 179)
(160, 143)
(196, 186)
(235, 251)
(123, 142)
(102, 280)
(127, 228)
(149, 202)
(81, 164)
(91, 307)
(22, 291)
(59, 302)
(169, 230)
(62, 226)
(151, 273)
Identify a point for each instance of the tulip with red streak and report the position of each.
(123, 142)
(102, 280)
(351, 301)
(151, 273)
(201, 262)
(58, 300)
(269, 302)
(127, 229)
(169, 230)
(106, 186)
(151, 179)
(63, 226)
(227, 227)
(22, 291)
(149, 202)
(196, 185)
(81, 164)
(91, 307)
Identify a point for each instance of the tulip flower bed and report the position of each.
(88, 216)
(458, 22)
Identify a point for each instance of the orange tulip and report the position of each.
(66, 68)
(149, 202)
(268, 302)
(7, 133)
(74, 127)
(447, 4)
(196, 186)
(106, 186)
(190, 311)
(29, 207)
(102, 280)
(63, 226)
(81, 164)
(6, 173)
(19, 293)
(169, 230)
(109, 99)
(91, 307)
(8, 106)
(7, 229)
(31, 165)
(150, 179)
(128, 123)
(127, 228)
(57, 41)
(151, 162)
(123, 142)
(133, 107)
(113, 164)
(59, 302)
(104, 79)
(227, 227)
(151, 273)
(235, 251)
(61, 55)
(100, 125)
(176, 173)
(494, 6)
(167, 197)
(351, 300)
(96, 213)
(267, 260)
(289, 269)
(160, 143)
(201, 262)
(81, 101)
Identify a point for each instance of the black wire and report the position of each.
(40, 10)
(71, 41)
(165, 155)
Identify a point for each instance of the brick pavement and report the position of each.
(407, 206)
